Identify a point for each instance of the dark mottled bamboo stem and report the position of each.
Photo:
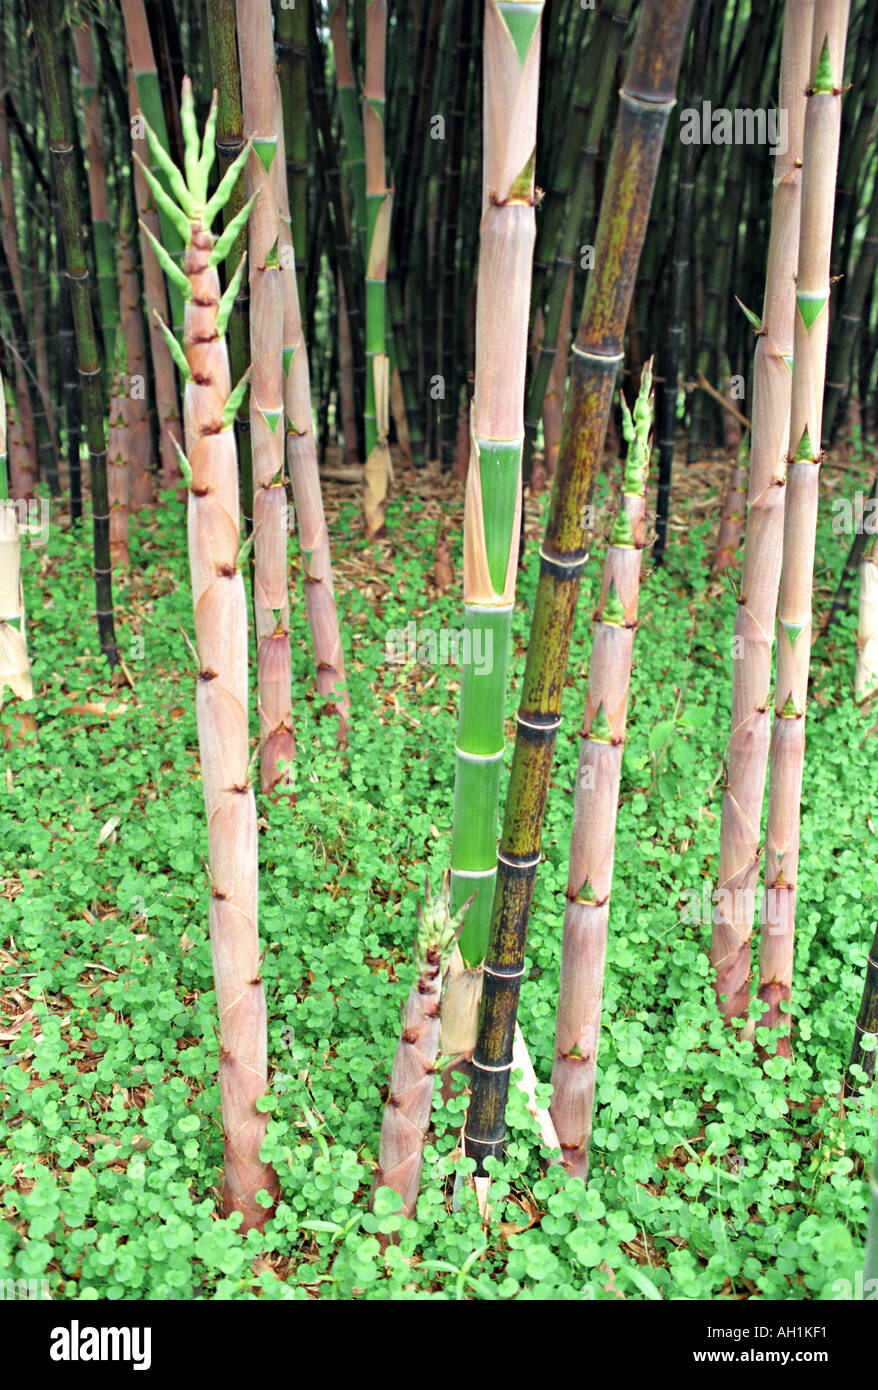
(866, 1026)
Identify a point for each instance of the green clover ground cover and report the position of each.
(710, 1177)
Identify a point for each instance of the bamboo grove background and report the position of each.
(681, 307)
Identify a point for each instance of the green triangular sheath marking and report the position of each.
(613, 612)
(266, 149)
(499, 464)
(521, 20)
(805, 452)
(789, 362)
(520, 192)
(823, 76)
(271, 418)
(793, 630)
(622, 535)
(810, 306)
(271, 261)
(789, 710)
(586, 894)
(287, 358)
(600, 727)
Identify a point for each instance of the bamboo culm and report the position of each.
(596, 798)
(646, 99)
(493, 490)
(819, 163)
(755, 617)
(215, 556)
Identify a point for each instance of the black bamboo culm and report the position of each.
(19, 347)
(847, 328)
(866, 1027)
(842, 595)
(49, 31)
(667, 396)
(572, 227)
(646, 100)
(72, 399)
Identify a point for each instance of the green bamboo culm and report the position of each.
(646, 100)
(349, 110)
(149, 97)
(47, 27)
(379, 205)
(493, 492)
(866, 1026)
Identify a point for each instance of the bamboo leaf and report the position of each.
(226, 240)
(191, 143)
(753, 319)
(224, 188)
(174, 347)
(208, 150)
(168, 265)
(227, 303)
(185, 465)
(169, 168)
(164, 202)
(230, 409)
(244, 552)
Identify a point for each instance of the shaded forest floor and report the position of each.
(711, 1176)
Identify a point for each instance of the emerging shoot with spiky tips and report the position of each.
(596, 799)
(219, 602)
(407, 1114)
